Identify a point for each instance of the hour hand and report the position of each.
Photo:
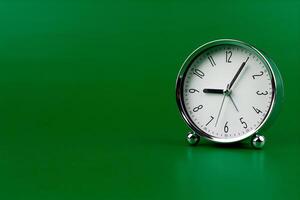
(214, 91)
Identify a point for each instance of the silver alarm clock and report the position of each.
(228, 91)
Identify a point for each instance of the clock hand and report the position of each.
(215, 91)
(237, 73)
(220, 110)
(224, 95)
(233, 102)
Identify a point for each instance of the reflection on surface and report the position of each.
(213, 167)
(226, 156)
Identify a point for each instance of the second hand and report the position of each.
(220, 109)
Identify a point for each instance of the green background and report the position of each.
(87, 102)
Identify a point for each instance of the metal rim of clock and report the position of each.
(183, 71)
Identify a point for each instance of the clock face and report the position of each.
(227, 91)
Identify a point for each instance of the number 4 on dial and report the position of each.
(256, 110)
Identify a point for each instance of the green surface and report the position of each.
(88, 105)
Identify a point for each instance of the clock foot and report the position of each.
(193, 138)
(258, 141)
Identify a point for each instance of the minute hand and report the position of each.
(237, 74)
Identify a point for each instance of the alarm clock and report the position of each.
(227, 91)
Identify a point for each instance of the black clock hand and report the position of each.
(215, 91)
(237, 73)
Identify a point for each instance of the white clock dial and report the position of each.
(223, 107)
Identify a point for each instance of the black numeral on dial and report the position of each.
(262, 93)
(199, 73)
(228, 56)
(211, 118)
(211, 60)
(256, 110)
(226, 128)
(193, 90)
(243, 122)
(197, 108)
(260, 74)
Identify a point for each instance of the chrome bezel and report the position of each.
(180, 82)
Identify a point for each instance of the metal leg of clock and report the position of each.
(258, 141)
(193, 138)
